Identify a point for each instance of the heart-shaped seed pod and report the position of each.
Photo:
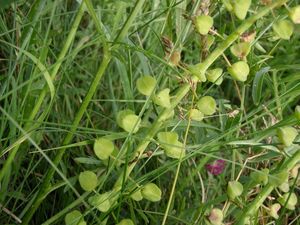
(151, 192)
(297, 112)
(137, 195)
(101, 201)
(216, 216)
(295, 14)
(288, 200)
(146, 85)
(240, 50)
(215, 76)
(278, 178)
(88, 180)
(287, 135)
(196, 115)
(126, 222)
(207, 105)
(239, 71)
(175, 151)
(103, 148)
(260, 177)
(198, 71)
(74, 218)
(127, 120)
(240, 8)
(234, 189)
(203, 24)
(274, 210)
(283, 29)
(163, 98)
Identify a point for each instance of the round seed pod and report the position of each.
(240, 50)
(234, 189)
(240, 8)
(239, 71)
(74, 218)
(284, 187)
(126, 222)
(216, 216)
(283, 29)
(103, 148)
(163, 98)
(215, 76)
(274, 210)
(101, 201)
(287, 135)
(207, 105)
(175, 150)
(127, 120)
(289, 201)
(196, 115)
(203, 24)
(297, 112)
(167, 137)
(198, 71)
(151, 192)
(260, 177)
(295, 14)
(146, 85)
(278, 178)
(137, 195)
(88, 180)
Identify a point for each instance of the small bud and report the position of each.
(216, 216)
(198, 71)
(215, 76)
(146, 85)
(88, 180)
(126, 222)
(295, 14)
(127, 120)
(288, 200)
(240, 50)
(278, 178)
(297, 112)
(274, 210)
(137, 195)
(207, 105)
(103, 148)
(239, 71)
(151, 192)
(234, 189)
(101, 201)
(163, 98)
(74, 218)
(287, 135)
(240, 8)
(284, 29)
(204, 24)
(260, 177)
(196, 115)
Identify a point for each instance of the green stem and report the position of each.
(266, 191)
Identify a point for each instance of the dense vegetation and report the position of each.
(149, 112)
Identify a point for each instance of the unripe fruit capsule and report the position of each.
(284, 29)
(163, 98)
(101, 201)
(295, 14)
(240, 50)
(127, 120)
(239, 71)
(288, 200)
(234, 189)
(207, 105)
(88, 180)
(196, 115)
(74, 218)
(137, 195)
(146, 85)
(103, 148)
(287, 135)
(216, 216)
(240, 8)
(151, 192)
(126, 222)
(215, 76)
(274, 210)
(203, 24)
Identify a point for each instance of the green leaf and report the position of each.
(287, 135)
(258, 84)
(88, 180)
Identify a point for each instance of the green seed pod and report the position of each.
(239, 71)
(207, 105)
(274, 210)
(216, 216)
(126, 222)
(198, 71)
(260, 177)
(287, 135)
(215, 76)
(175, 151)
(137, 195)
(240, 50)
(165, 116)
(297, 112)
(240, 8)
(234, 189)
(103, 148)
(278, 178)
(196, 115)
(74, 218)
(163, 98)
(101, 201)
(88, 180)
(151, 192)
(295, 14)
(288, 201)
(284, 29)
(146, 85)
(295, 171)
(127, 120)
(167, 137)
(284, 187)
(203, 24)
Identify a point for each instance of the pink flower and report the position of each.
(216, 167)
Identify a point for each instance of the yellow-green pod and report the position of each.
(283, 29)
(207, 105)
(215, 75)
(151, 192)
(239, 71)
(287, 135)
(146, 84)
(216, 216)
(288, 200)
(126, 222)
(295, 14)
(234, 189)
(162, 98)
(203, 24)
(88, 180)
(73, 218)
(240, 8)
(240, 50)
(101, 201)
(196, 115)
(103, 148)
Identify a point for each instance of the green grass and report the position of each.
(67, 69)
